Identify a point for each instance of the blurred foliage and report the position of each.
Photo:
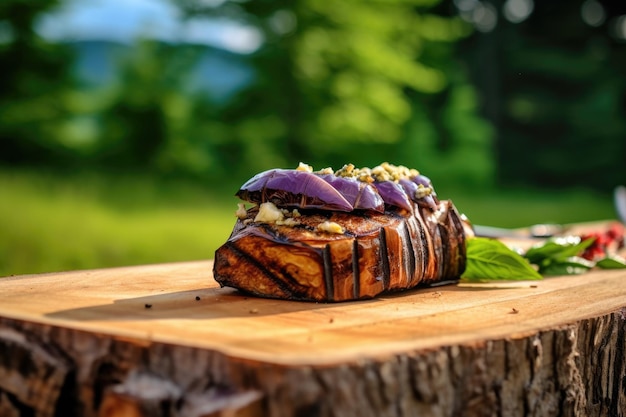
(34, 86)
(335, 81)
(554, 88)
(540, 102)
(61, 221)
(347, 81)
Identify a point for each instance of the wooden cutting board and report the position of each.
(180, 305)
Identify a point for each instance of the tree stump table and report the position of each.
(165, 340)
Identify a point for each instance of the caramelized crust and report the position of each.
(377, 252)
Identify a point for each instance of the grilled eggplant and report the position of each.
(329, 251)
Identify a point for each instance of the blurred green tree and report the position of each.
(555, 90)
(349, 81)
(34, 86)
(335, 82)
(135, 121)
(152, 120)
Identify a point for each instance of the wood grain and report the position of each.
(158, 303)
(77, 343)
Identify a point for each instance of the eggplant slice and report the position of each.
(376, 252)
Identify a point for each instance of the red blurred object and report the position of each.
(606, 242)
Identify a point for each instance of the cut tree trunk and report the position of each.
(165, 340)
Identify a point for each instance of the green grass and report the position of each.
(54, 222)
(523, 207)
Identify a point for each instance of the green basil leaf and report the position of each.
(612, 262)
(557, 248)
(572, 265)
(490, 259)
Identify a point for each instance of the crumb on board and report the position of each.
(148, 305)
(254, 311)
(514, 311)
(197, 298)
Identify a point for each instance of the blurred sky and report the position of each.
(126, 20)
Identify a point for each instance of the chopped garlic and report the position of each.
(327, 170)
(422, 191)
(288, 222)
(381, 173)
(390, 172)
(346, 171)
(241, 212)
(330, 227)
(269, 213)
(304, 167)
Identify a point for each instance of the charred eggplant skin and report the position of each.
(414, 241)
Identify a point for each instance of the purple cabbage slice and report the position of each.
(293, 188)
(428, 201)
(360, 194)
(423, 180)
(394, 194)
(327, 191)
(412, 186)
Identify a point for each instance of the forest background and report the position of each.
(128, 151)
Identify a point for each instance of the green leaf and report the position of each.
(490, 259)
(572, 265)
(557, 248)
(612, 262)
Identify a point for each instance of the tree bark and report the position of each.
(577, 369)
